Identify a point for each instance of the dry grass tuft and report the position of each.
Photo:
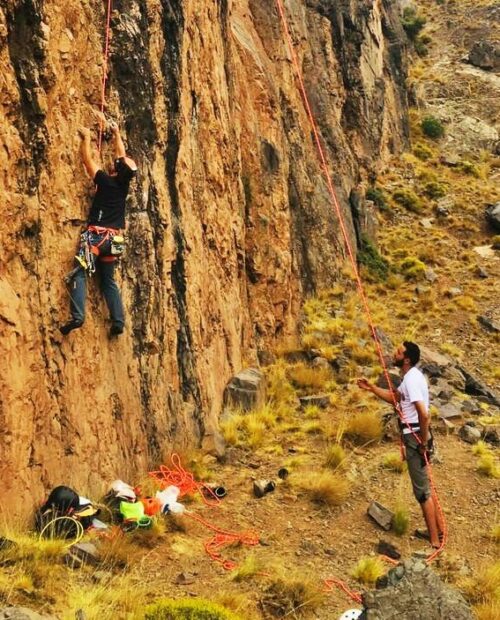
(335, 456)
(303, 376)
(291, 595)
(488, 466)
(368, 570)
(495, 533)
(487, 611)
(364, 427)
(250, 566)
(484, 589)
(325, 487)
(400, 521)
(393, 461)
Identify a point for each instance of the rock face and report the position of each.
(229, 224)
(413, 590)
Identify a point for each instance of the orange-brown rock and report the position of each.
(230, 222)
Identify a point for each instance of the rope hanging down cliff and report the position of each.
(105, 72)
(357, 277)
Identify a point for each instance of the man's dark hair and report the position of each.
(124, 172)
(412, 352)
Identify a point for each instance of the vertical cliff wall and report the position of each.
(230, 222)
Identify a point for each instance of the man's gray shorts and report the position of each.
(417, 469)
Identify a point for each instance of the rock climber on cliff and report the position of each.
(101, 243)
(413, 398)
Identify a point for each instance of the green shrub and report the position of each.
(369, 256)
(188, 609)
(422, 151)
(434, 190)
(432, 127)
(469, 168)
(412, 268)
(376, 195)
(412, 22)
(408, 199)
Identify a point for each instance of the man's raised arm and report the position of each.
(119, 146)
(388, 395)
(91, 166)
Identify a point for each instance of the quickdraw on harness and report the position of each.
(88, 252)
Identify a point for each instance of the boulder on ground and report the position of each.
(414, 590)
(469, 434)
(493, 215)
(381, 515)
(246, 390)
(319, 400)
(485, 55)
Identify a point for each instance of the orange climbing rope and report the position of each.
(359, 283)
(105, 72)
(187, 485)
(224, 538)
(184, 480)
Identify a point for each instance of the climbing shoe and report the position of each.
(116, 329)
(68, 327)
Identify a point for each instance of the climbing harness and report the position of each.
(357, 277)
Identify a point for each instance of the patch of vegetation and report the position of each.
(247, 569)
(369, 256)
(291, 596)
(484, 589)
(393, 462)
(412, 268)
(434, 190)
(368, 570)
(469, 168)
(364, 427)
(495, 533)
(488, 466)
(188, 609)
(326, 487)
(335, 456)
(412, 22)
(408, 199)
(303, 376)
(377, 196)
(422, 151)
(400, 521)
(432, 127)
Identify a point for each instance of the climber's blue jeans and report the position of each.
(109, 288)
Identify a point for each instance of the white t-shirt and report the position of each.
(413, 388)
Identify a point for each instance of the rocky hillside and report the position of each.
(229, 221)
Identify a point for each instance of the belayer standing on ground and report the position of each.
(101, 243)
(413, 398)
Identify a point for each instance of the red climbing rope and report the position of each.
(184, 480)
(224, 538)
(187, 485)
(105, 72)
(359, 283)
(354, 595)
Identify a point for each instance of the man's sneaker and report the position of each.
(68, 327)
(116, 329)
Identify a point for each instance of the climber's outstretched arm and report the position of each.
(119, 146)
(91, 166)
